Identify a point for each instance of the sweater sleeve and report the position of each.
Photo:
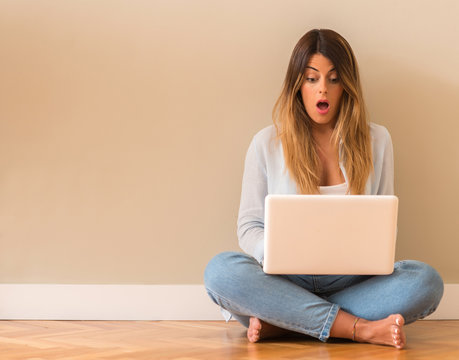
(386, 183)
(250, 224)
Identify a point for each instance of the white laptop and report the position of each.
(330, 234)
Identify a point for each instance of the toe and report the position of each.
(255, 323)
(252, 337)
(399, 320)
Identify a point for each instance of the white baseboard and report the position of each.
(106, 302)
(134, 302)
(448, 308)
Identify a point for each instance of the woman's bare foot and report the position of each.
(388, 331)
(258, 330)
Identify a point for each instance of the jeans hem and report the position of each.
(325, 333)
(322, 335)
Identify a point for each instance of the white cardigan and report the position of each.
(265, 173)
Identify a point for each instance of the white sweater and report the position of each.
(265, 173)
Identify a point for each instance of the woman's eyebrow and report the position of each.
(310, 67)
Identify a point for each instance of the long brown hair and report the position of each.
(351, 132)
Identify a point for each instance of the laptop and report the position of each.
(330, 234)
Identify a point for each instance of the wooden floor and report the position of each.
(186, 340)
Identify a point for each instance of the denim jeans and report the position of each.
(309, 304)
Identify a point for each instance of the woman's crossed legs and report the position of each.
(323, 306)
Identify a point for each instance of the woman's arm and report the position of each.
(386, 182)
(250, 224)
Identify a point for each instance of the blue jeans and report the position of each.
(309, 304)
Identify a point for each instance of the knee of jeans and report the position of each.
(220, 268)
(429, 280)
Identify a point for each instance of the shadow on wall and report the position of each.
(421, 113)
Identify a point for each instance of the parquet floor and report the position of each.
(186, 340)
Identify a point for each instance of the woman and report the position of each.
(320, 143)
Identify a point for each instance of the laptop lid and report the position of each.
(330, 234)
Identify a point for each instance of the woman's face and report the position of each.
(321, 90)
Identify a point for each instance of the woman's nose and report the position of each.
(322, 87)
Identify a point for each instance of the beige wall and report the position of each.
(124, 126)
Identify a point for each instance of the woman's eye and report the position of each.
(334, 80)
(310, 79)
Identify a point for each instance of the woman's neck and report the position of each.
(322, 133)
(328, 155)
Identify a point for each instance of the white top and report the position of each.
(339, 189)
(265, 173)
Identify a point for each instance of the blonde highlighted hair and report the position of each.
(351, 133)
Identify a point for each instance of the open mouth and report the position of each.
(323, 106)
